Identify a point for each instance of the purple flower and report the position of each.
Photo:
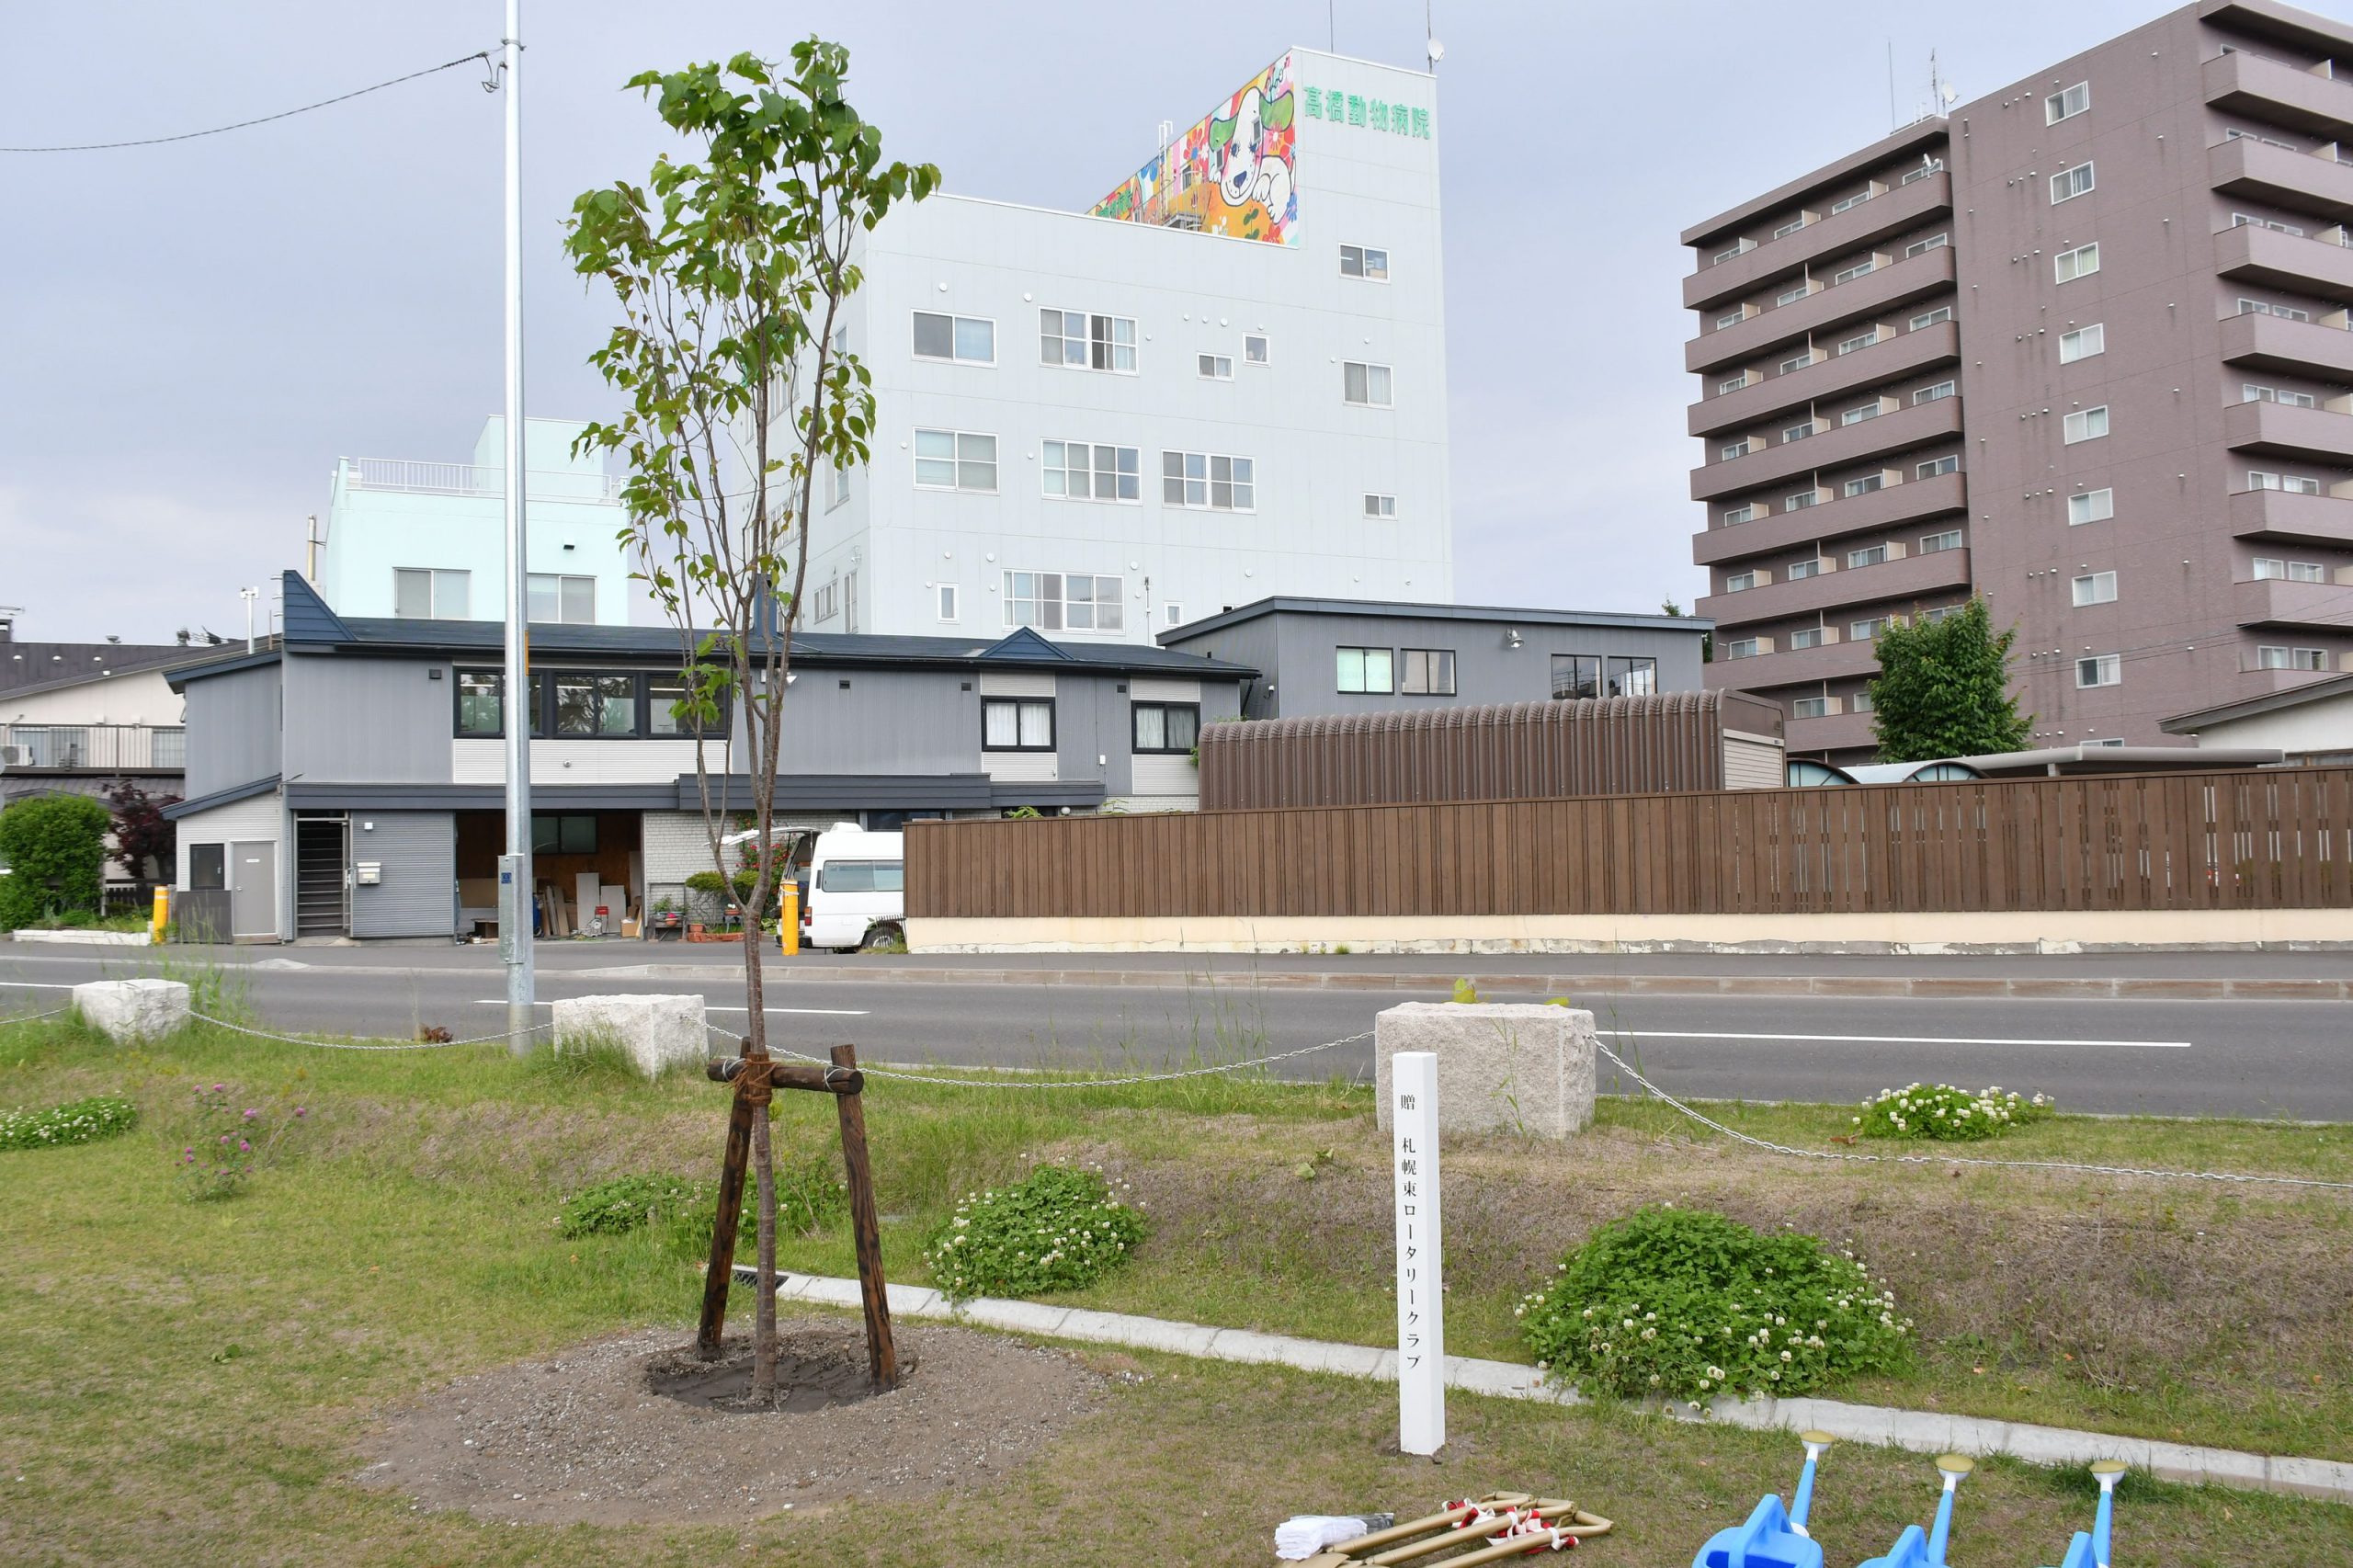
(219, 1088)
(224, 1138)
(251, 1114)
(244, 1147)
(298, 1111)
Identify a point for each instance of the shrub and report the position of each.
(1947, 1113)
(76, 1121)
(230, 1141)
(55, 846)
(1059, 1230)
(809, 1194)
(1685, 1304)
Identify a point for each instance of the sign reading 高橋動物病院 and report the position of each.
(1366, 114)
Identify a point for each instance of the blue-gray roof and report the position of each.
(1287, 604)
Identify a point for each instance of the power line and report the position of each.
(483, 55)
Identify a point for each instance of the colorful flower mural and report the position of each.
(1232, 174)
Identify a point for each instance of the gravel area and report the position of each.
(633, 1429)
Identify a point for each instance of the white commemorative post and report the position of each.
(1421, 1306)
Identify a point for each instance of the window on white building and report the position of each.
(950, 607)
(430, 593)
(1207, 479)
(1366, 385)
(1077, 470)
(568, 601)
(970, 340)
(1253, 350)
(1063, 601)
(1217, 367)
(955, 459)
(1080, 341)
(1362, 261)
(1380, 506)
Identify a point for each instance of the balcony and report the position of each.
(1896, 284)
(2283, 261)
(1905, 354)
(2316, 435)
(2274, 601)
(2298, 347)
(1832, 732)
(2278, 93)
(1802, 667)
(91, 748)
(1915, 500)
(2302, 182)
(2289, 518)
(1893, 212)
(1839, 447)
(1889, 582)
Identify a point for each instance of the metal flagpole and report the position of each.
(515, 866)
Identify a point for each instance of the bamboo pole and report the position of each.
(881, 1355)
(720, 1273)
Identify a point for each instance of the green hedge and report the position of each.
(55, 850)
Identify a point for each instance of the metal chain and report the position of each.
(35, 1017)
(1066, 1083)
(1708, 1121)
(347, 1045)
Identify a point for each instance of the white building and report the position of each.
(1226, 382)
(426, 540)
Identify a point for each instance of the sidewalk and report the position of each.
(2144, 976)
(1924, 1432)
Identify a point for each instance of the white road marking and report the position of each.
(809, 1012)
(39, 984)
(1894, 1039)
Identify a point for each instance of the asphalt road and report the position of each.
(2237, 1057)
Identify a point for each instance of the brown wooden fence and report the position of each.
(2274, 840)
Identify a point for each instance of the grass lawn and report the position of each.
(191, 1378)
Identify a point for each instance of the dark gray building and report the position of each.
(349, 778)
(1315, 656)
(2076, 347)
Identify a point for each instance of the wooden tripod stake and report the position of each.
(753, 1079)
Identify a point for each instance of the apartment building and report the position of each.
(1224, 380)
(2078, 346)
(426, 538)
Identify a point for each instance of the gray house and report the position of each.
(350, 780)
(1316, 656)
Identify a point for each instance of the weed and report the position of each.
(1948, 1115)
(76, 1121)
(1061, 1230)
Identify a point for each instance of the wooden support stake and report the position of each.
(882, 1357)
(721, 1271)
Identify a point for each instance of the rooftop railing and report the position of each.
(411, 476)
(93, 748)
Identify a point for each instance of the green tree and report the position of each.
(731, 266)
(1943, 688)
(54, 847)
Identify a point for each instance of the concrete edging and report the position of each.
(1926, 1432)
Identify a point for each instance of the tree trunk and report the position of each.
(764, 1303)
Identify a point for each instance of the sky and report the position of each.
(192, 334)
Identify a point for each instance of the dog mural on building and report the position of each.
(1231, 174)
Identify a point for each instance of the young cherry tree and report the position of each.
(732, 265)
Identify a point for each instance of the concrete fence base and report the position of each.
(658, 1032)
(131, 1011)
(1512, 1067)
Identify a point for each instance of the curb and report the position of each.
(2093, 988)
(1916, 1431)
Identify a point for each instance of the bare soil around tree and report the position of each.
(633, 1429)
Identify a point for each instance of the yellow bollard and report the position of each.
(787, 918)
(162, 915)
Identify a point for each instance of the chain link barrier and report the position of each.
(358, 1045)
(1708, 1121)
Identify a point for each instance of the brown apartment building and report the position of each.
(2079, 346)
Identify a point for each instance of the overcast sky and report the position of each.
(190, 335)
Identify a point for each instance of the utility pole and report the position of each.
(515, 866)
(249, 595)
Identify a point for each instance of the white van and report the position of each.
(857, 894)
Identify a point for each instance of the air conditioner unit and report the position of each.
(12, 757)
